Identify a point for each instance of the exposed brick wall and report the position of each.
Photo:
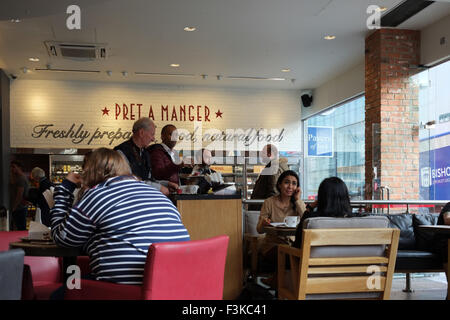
(392, 112)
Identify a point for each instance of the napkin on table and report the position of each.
(38, 231)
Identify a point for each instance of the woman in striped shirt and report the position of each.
(116, 220)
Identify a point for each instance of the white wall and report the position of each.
(343, 87)
(66, 104)
(431, 49)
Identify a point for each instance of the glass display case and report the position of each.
(62, 164)
(234, 173)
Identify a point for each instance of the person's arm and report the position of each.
(155, 184)
(71, 227)
(172, 186)
(311, 206)
(300, 206)
(264, 217)
(158, 186)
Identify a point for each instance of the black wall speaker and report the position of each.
(307, 98)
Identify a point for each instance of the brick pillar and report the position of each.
(392, 113)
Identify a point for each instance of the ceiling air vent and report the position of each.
(76, 51)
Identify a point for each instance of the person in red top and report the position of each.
(165, 162)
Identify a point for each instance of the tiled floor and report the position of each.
(429, 286)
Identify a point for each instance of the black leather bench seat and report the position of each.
(417, 260)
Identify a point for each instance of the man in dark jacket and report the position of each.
(265, 185)
(18, 196)
(138, 157)
(165, 162)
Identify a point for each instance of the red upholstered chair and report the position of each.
(44, 273)
(83, 263)
(188, 270)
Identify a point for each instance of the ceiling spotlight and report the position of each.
(189, 29)
(285, 70)
(204, 76)
(109, 73)
(33, 59)
(329, 37)
(219, 77)
(25, 70)
(15, 20)
(175, 65)
(125, 73)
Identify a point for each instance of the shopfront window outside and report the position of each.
(334, 146)
(434, 132)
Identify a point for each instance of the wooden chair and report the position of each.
(251, 240)
(251, 252)
(336, 275)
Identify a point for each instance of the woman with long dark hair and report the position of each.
(333, 200)
(286, 203)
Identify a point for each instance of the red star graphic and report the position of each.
(105, 111)
(219, 114)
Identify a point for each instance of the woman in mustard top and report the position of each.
(275, 209)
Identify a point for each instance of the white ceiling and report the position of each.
(253, 38)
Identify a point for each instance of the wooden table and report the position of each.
(280, 231)
(46, 249)
(443, 230)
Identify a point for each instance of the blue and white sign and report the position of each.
(320, 142)
(435, 174)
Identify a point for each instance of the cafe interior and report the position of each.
(353, 89)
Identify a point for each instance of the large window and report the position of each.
(434, 132)
(334, 146)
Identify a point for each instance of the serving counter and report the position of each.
(206, 216)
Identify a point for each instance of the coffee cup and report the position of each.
(292, 221)
(193, 189)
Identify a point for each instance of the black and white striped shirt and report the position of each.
(116, 222)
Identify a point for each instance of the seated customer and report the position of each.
(332, 201)
(275, 209)
(116, 220)
(44, 196)
(165, 162)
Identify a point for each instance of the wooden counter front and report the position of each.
(206, 217)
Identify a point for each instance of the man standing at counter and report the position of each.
(138, 157)
(19, 192)
(266, 184)
(165, 162)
